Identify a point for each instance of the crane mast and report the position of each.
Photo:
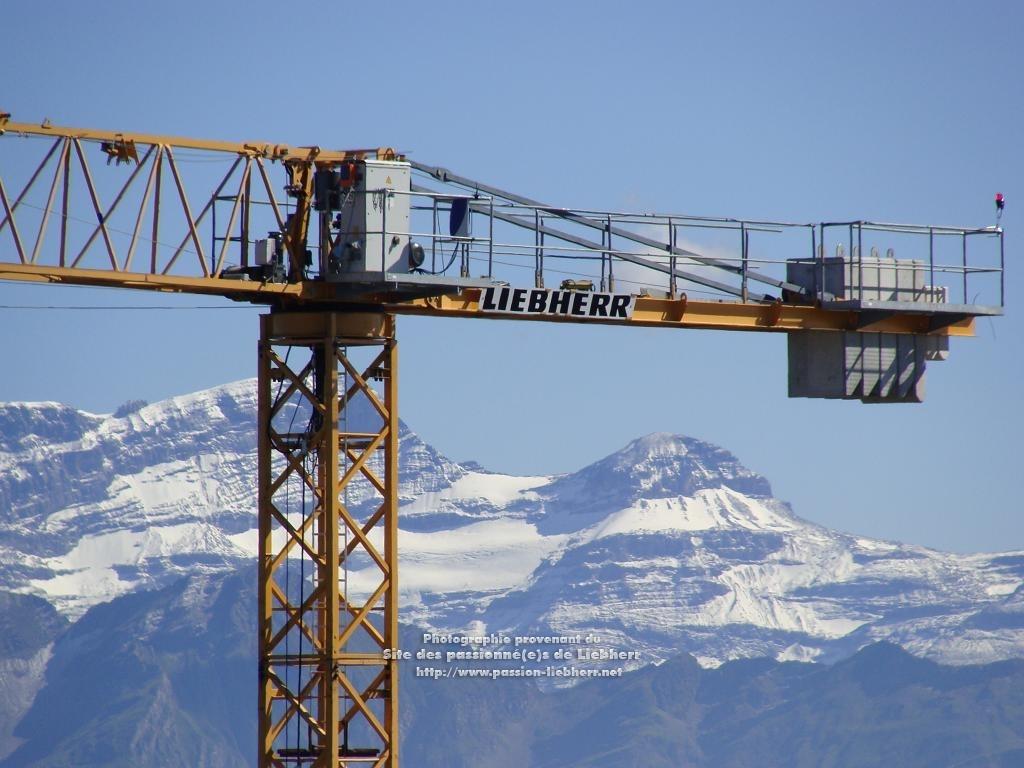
(350, 239)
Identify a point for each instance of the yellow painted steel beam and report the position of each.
(649, 311)
(242, 290)
(390, 507)
(122, 141)
(653, 312)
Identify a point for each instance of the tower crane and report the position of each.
(337, 244)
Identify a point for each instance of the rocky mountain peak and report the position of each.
(657, 466)
(27, 425)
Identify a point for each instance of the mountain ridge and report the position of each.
(168, 676)
(668, 544)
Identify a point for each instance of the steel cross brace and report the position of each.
(328, 504)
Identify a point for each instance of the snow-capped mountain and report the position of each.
(668, 545)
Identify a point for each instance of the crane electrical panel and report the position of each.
(337, 244)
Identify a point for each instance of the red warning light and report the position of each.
(999, 201)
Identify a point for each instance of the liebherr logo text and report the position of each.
(542, 301)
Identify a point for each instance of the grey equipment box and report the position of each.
(862, 365)
(869, 279)
(375, 221)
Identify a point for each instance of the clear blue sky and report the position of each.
(907, 111)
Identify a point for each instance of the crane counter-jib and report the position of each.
(647, 311)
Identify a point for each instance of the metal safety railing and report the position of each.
(744, 259)
(941, 255)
